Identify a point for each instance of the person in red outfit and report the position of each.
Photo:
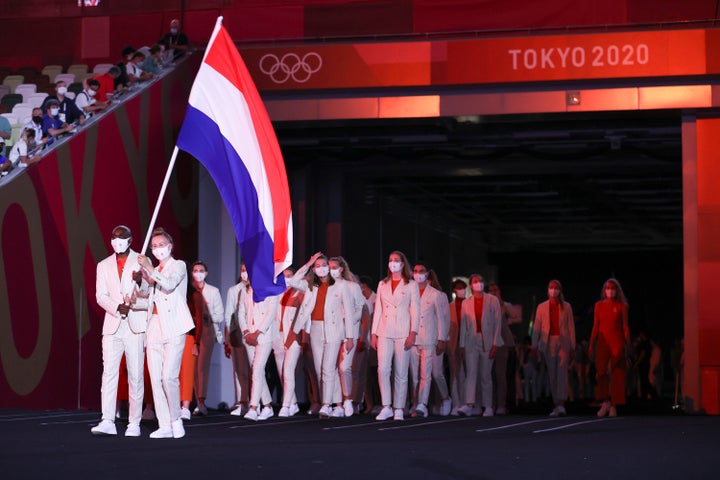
(609, 341)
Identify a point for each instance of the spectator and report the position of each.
(5, 164)
(52, 126)
(5, 131)
(152, 63)
(107, 84)
(86, 101)
(122, 81)
(176, 40)
(134, 71)
(36, 124)
(69, 112)
(21, 153)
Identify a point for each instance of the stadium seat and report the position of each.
(13, 81)
(36, 99)
(68, 78)
(10, 100)
(75, 87)
(52, 71)
(26, 89)
(11, 118)
(4, 90)
(101, 68)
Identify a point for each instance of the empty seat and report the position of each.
(13, 81)
(101, 68)
(52, 71)
(36, 99)
(4, 90)
(68, 78)
(78, 68)
(11, 118)
(27, 71)
(22, 110)
(26, 89)
(10, 100)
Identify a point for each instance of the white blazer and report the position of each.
(491, 322)
(170, 299)
(110, 292)
(396, 313)
(541, 328)
(434, 317)
(213, 300)
(354, 315)
(259, 316)
(287, 314)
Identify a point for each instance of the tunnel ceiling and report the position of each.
(566, 182)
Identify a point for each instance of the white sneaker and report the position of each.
(613, 411)
(133, 430)
(561, 411)
(162, 433)
(105, 427)
(185, 414)
(554, 412)
(488, 412)
(178, 430)
(200, 410)
(465, 411)
(252, 414)
(266, 413)
(148, 413)
(384, 414)
(446, 407)
(604, 408)
(399, 414)
(294, 409)
(338, 412)
(284, 412)
(241, 410)
(455, 412)
(348, 407)
(325, 411)
(420, 411)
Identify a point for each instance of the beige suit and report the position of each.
(556, 349)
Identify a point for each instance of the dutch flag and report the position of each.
(228, 130)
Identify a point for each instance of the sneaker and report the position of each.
(561, 411)
(185, 414)
(178, 431)
(455, 412)
(241, 410)
(133, 430)
(200, 410)
(399, 414)
(148, 413)
(384, 414)
(338, 412)
(294, 409)
(266, 413)
(420, 411)
(501, 411)
(446, 407)
(162, 433)
(105, 427)
(554, 412)
(604, 409)
(465, 411)
(325, 411)
(349, 408)
(488, 412)
(252, 414)
(284, 412)
(613, 411)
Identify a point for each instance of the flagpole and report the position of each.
(159, 200)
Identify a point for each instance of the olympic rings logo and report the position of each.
(290, 66)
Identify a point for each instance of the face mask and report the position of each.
(395, 267)
(62, 90)
(54, 111)
(161, 253)
(173, 31)
(244, 276)
(420, 277)
(37, 119)
(478, 286)
(199, 276)
(91, 93)
(322, 271)
(120, 245)
(460, 293)
(335, 272)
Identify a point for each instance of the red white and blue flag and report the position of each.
(228, 130)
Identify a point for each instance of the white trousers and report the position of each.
(124, 341)
(359, 374)
(426, 366)
(478, 363)
(289, 365)
(556, 360)
(392, 355)
(325, 356)
(164, 357)
(345, 370)
(258, 357)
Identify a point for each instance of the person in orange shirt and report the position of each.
(197, 306)
(609, 341)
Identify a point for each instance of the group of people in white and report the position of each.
(408, 322)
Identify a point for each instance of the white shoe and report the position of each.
(133, 430)
(105, 427)
(554, 412)
(399, 414)
(465, 411)
(162, 433)
(348, 407)
(613, 411)
(252, 414)
(420, 411)
(488, 412)
(338, 412)
(266, 413)
(454, 412)
(446, 407)
(148, 413)
(384, 414)
(561, 411)
(178, 430)
(200, 410)
(325, 411)
(241, 410)
(185, 414)
(294, 409)
(284, 412)
(604, 408)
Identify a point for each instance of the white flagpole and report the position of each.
(159, 200)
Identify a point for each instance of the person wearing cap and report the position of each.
(554, 336)
(52, 126)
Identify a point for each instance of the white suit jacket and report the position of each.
(259, 316)
(169, 296)
(434, 317)
(541, 327)
(491, 322)
(354, 315)
(396, 313)
(287, 315)
(110, 292)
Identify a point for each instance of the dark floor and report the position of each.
(44, 444)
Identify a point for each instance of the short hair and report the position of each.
(128, 50)
(52, 102)
(93, 83)
(160, 232)
(30, 132)
(114, 70)
(138, 55)
(198, 262)
(365, 279)
(154, 49)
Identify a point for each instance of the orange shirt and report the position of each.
(479, 301)
(318, 312)
(394, 284)
(554, 319)
(611, 322)
(120, 264)
(458, 308)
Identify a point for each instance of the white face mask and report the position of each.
(395, 267)
(54, 111)
(335, 272)
(161, 253)
(420, 277)
(62, 90)
(174, 31)
(199, 276)
(244, 276)
(322, 271)
(91, 93)
(460, 293)
(478, 286)
(120, 245)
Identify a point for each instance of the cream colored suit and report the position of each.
(556, 349)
